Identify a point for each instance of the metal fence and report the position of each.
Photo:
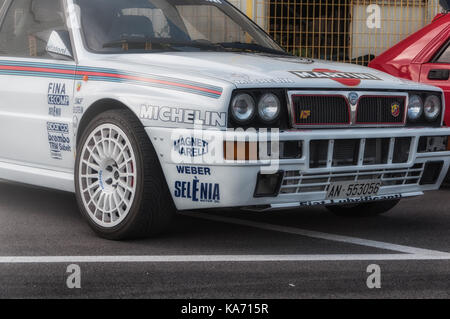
(341, 30)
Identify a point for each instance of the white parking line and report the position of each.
(406, 252)
(213, 258)
(319, 235)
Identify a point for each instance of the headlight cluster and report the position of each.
(246, 107)
(424, 108)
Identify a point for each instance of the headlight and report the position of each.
(415, 108)
(243, 107)
(432, 107)
(269, 107)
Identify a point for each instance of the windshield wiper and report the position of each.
(253, 47)
(164, 44)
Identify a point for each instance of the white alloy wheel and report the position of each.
(107, 175)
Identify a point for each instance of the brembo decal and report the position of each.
(58, 139)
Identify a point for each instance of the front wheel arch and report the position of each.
(97, 108)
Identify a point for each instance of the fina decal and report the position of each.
(58, 139)
(197, 191)
(191, 146)
(395, 109)
(186, 116)
(345, 78)
(193, 170)
(57, 97)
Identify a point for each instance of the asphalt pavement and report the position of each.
(304, 253)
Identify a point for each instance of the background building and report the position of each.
(341, 30)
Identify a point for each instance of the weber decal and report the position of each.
(58, 139)
(197, 191)
(191, 146)
(193, 170)
(186, 116)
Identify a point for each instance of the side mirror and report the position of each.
(445, 4)
(59, 45)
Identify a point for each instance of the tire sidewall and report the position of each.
(115, 118)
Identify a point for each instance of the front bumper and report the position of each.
(198, 182)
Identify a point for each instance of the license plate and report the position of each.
(341, 190)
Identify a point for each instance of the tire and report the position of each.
(363, 209)
(121, 192)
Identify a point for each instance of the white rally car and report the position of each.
(145, 107)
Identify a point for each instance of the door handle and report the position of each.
(439, 74)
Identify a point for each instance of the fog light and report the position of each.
(431, 173)
(428, 144)
(268, 185)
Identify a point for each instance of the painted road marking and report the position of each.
(319, 235)
(214, 258)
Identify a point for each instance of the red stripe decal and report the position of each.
(110, 75)
(136, 78)
(34, 69)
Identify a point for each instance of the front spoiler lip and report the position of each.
(294, 205)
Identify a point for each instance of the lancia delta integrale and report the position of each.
(145, 107)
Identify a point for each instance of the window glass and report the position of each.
(445, 56)
(121, 26)
(28, 25)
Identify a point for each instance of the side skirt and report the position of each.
(37, 176)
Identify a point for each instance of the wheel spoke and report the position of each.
(107, 155)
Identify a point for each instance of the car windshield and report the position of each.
(128, 26)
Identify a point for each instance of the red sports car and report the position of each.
(423, 57)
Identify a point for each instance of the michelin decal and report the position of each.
(183, 116)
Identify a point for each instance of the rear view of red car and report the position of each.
(423, 57)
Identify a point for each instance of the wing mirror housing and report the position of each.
(58, 45)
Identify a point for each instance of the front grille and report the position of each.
(298, 182)
(346, 152)
(381, 110)
(321, 110)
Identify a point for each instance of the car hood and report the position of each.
(250, 70)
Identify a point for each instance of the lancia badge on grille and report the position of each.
(353, 98)
(395, 109)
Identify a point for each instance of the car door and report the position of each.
(437, 73)
(36, 88)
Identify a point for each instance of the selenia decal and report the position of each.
(197, 191)
(345, 78)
